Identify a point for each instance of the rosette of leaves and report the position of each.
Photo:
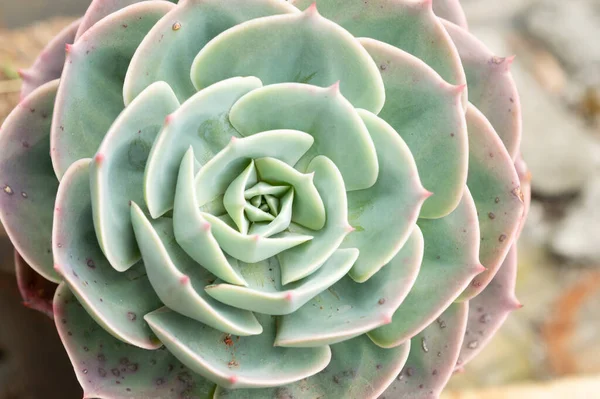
(260, 198)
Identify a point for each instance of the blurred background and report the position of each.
(548, 349)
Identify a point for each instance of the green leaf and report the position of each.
(451, 10)
(89, 97)
(495, 185)
(488, 310)
(308, 209)
(353, 363)
(202, 122)
(302, 260)
(432, 358)
(179, 281)
(427, 113)
(192, 230)
(234, 201)
(109, 369)
(247, 362)
(217, 173)
(49, 63)
(265, 293)
(117, 173)
(252, 249)
(300, 47)
(450, 261)
(280, 222)
(492, 88)
(339, 132)
(168, 51)
(384, 215)
(406, 24)
(100, 9)
(349, 309)
(27, 183)
(117, 301)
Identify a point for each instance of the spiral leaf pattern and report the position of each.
(267, 198)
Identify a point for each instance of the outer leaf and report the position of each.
(203, 123)
(117, 173)
(349, 309)
(36, 291)
(325, 114)
(49, 63)
(179, 281)
(93, 75)
(265, 293)
(427, 112)
(109, 369)
(99, 9)
(432, 357)
(406, 24)
(117, 301)
(384, 215)
(250, 362)
(495, 186)
(449, 263)
(491, 86)
(27, 184)
(303, 48)
(167, 52)
(489, 310)
(353, 362)
(525, 179)
(450, 10)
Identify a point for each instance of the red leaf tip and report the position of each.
(312, 9)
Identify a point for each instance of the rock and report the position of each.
(539, 228)
(569, 29)
(576, 236)
(560, 150)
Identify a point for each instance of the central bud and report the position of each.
(268, 196)
(256, 199)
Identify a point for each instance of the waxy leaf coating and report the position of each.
(267, 198)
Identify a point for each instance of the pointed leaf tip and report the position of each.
(459, 89)
(335, 88)
(23, 73)
(427, 4)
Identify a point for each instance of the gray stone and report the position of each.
(559, 149)
(576, 236)
(570, 30)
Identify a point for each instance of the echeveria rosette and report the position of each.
(260, 198)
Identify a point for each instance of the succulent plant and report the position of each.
(261, 198)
